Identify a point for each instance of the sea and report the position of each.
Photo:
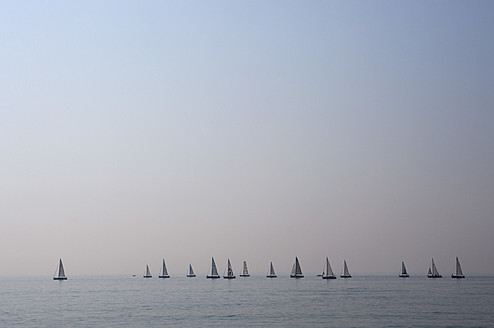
(362, 301)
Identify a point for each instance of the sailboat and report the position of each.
(458, 274)
(164, 271)
(271, 273)
(346, 273)
(296, 270)
(229, 271)
(433, 273)
(60, 272)
(190, 273)
(404, 273)
(328, 272)
(245, 272)
(214, 271)
(148, 273)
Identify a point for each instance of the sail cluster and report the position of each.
(295, 273)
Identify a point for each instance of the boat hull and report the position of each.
(167, 276)
(191, 275)
(213, 277)
(345, 276)
(296, 276)
(244, 275)
(271, 276)
(457, 276)
(59, 278)
(404, 276)
(147, 276)
(229, 277)
(434, 276)
(329, 277)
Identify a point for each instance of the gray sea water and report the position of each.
(362, 301)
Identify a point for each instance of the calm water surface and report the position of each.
(363, 301)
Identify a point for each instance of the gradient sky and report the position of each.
(251, 130)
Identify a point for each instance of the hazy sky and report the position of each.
(251, 130)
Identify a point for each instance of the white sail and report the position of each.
(434, 269)
(345, 269)
(403, 273)
(229, 270)
(433, 273)
(403, 269)
(148, 272)
(164, 271)
(459, 272)
(214, 270)
(61, 271)
(190, 272)
(271, 269)
(245, 272)
(329, 271)
(296, 270)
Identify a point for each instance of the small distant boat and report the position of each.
(458, 273)
(164, 271)
(148, 273)
(60, 272)
(346, 273)
(404, 273)
(328, 272)
(245, 272)
(214, 271)
(433, 273)
(190, 273)
(229, 271)
(296, 270)
(271, 273)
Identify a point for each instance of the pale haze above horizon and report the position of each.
(132, 131)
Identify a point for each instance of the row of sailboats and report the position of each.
(433, 272)
(295, 273)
